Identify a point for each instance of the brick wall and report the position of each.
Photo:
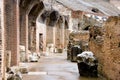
(24, 30)
(41, 29)
(32, 33)
(107, 51)
(58, 37)
(66, 40)
(49, 35)
(23, 27)
(81, 35)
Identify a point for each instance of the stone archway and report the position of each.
(29, 11)
(32, 17)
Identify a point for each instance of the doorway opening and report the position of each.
(41, 42)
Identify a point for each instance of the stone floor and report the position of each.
(53, 67)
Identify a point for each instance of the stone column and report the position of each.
(11, 21)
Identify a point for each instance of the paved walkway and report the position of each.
(53, 67)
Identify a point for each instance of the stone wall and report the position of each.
(106, 47)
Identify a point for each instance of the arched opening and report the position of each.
(32, 34)
(29, 11)
(53, 18)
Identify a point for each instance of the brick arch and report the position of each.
(36, 9)
(53, 18)
(27, 5)
(42, 18)
(24, 3)
(29, 11)
(33, 13)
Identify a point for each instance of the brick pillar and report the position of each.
(57, 36)
(49, 34)
(32, 35)
(62, 35)
(54, 37)
(11, 21)
(67, 32)
(3, 40)
(44, 40)
(37, 39)
(24, 30)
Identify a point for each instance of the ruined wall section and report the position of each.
(106, 48)
(112, 48)
(80, 38)
(76, 17)
(96, 44)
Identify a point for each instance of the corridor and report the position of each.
(53, 67)
(29, 28)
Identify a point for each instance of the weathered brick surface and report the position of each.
(34, 9)
(80, 36)
(60, 35)
(24, 30)
(77, 14)
(41, 29)
(67, 32)
(11, 16)
(23, 27)
(32, 37)
(49, 35)
(108, 50)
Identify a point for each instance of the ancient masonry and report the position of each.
(105, 43)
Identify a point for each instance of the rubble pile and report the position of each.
(87, 64)
(13, 74)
